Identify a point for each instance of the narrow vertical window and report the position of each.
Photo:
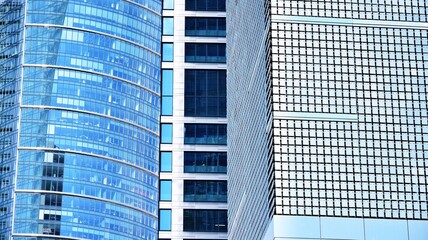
(168, 26)
(168, 4)
(166, 161)
(165, 219)
(165, 190)
(166, 133)
(167, 90)
(167, 52)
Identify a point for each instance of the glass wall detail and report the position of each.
(166, 161)
(11, 27)
(200, 220)
(167, 52)
(206, 5)
(168, 4)
(205, 26)
(205, 191)
(165, 190)
(205, 93)
(205, 52)
(205, 162)
(205, 134)
(166, 133)
(89, 81)
(168, 26)
(167, 92)
(165, 220)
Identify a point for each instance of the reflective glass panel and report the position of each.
(166, 133)
(167, 52)
(165, 190)
(166, 161)
(165, 220)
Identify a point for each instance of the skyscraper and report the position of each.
(327, 119)
(193, 159)
(79, 126)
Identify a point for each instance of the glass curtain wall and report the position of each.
(89, 106)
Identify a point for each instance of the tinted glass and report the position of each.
(167, 90)
(205, 26)
(205, 134)
(205, 93)
(205, 220)
(166, 161)
(206, 5)
(168, 26)
(166, 133)
(205, 52)
(165, 219)
(205, 191)
(165, 190)
(168, 4)
(205, 162)
(167, 52)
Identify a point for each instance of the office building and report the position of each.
(193, 158)
(79, 126)
(327, 119)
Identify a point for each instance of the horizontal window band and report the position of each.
(58, 150)
(91, 31)
(90, 113)
(43, 236)
(83, 196)
(142, 6)
(350, 22)
(90, 72)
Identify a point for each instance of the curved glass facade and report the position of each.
(87, 131)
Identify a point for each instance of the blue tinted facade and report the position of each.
(88, 78)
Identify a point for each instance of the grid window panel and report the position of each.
(339, 168)
(205, 93)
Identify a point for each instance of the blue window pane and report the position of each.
(167, 81)
(205, 26)
(167, 109)
(205, 162)
(205, 52)
(168, 26)
(167, 92)
(165, 190)
(205, 93)
(166, 162)
(166, 133)
(205, 191)
(206, 5)
(205, 134)
(165, 219)
(168, 4)
(167, 52)
(205, 220)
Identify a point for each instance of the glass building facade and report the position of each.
(79, 128)
(330, 127)
(193, 170)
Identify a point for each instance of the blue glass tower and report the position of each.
(79, 118)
